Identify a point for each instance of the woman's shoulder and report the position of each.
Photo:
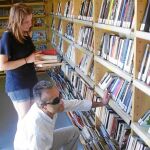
(7, 34)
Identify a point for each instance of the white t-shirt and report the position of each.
(35, 130)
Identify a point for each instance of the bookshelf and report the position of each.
(127, 30)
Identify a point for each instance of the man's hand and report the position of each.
(106, 97)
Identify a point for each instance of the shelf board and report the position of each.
(9, 5)
(87, 23)
(113, 68)
(121, 30)
(36, 3)
(88, 52)
(69, 62)
(85, 77)
(4, 18)
(67, 40)
(39, 28)
(142, 86)
(39, 42)
(2, 30)
(143, 35)
(67, 18)
(142, 132)
(115, 107)
(39, 16)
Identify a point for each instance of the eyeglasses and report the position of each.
(55, 101)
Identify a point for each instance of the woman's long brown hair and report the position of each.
(18, 12)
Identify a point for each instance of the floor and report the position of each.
(8, 119)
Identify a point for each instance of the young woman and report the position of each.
(17, 58)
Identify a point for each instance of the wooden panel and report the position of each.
(96, 9)
(76, 31)
(98, 34)
(140, 6)
(140, 104)
(99, 72)
(76, 7)
(140, 48)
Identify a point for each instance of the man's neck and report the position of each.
(51, 115)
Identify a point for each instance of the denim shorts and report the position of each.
(21, 95)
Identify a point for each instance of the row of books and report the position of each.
(118, 51)
(38, 22)
(144, 72)
(115, 126)
(39, 35)
(53, 40)
(86, 10)
(70, 54)
(68, 12)
(145, 26)
(4, 12)
(40, 46)
(120, 89)
(82, 88)
(110, 144)
(60, 45)
(59, 28)
(69, 32)
(86, 37)
(86, 63)
(117, 13)
(38, 10)
(134, 142)
(58, 9)
(3, 24)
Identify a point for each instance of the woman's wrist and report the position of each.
(25, 60)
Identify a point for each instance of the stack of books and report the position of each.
(47, 58)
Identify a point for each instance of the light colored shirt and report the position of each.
(35, 130)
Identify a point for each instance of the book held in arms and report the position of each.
(47, 58)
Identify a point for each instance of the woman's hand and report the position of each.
(106, 97)
(30, 58)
